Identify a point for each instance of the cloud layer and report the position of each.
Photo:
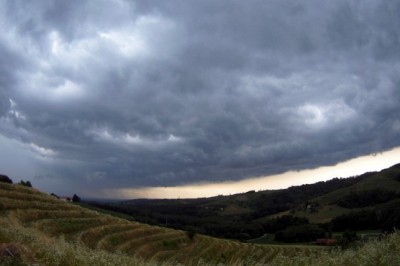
(114, 94)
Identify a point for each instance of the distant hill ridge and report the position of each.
(250, 212)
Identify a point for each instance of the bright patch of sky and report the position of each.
(353, 167)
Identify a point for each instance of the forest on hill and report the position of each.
(370, 201)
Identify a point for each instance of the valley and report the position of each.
(333, 206)
(280, 227)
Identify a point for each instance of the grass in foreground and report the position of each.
(30, 247)
(385, 252)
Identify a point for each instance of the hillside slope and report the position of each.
(46, 230)
(247, 215)
(375, 191)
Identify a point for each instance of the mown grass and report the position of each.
(55, 218)
(35, 248)
(47, 231)
(100, 210)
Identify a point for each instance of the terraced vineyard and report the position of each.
(56, 219)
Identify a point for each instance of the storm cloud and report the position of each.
(116, 94)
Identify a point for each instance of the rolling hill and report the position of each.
(42, 229)
(39, 229)
(373, 191)
(250, 215)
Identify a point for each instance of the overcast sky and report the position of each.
(99, 95)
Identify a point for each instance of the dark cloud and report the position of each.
(112, 94)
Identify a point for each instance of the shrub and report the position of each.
(26, 184)
(280, 223)
(76, 198)
(54, 195)
(191, 234)
(5, 179)
(300, 233)
(360, 220)
(348, 239)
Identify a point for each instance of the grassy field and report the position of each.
(38, 229)
(324, 214)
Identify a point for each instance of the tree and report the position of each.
(76, 198)
(300, 233)
(26, 184)
(190, 233)
(348, 238)
(357, 220)
(5, 179)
